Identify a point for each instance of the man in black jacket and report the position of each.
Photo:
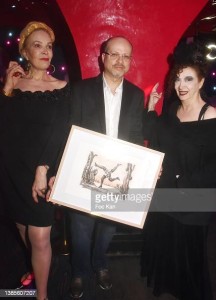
(111, 105)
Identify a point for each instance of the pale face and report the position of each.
(187, 84)
(118, 64)
(38, 50)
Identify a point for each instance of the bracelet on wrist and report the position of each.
(8, 94)
(46, 167)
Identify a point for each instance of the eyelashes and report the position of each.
(37, 45)
(189, 78)
(186, 79)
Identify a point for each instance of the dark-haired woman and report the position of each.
(174, 257)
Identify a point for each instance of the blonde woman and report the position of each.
(34, 105)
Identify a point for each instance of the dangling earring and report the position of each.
(51, 69)
(28, 68)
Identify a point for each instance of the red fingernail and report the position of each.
(16, 74)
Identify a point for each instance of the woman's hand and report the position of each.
(154, 98)
(39, 187)
(50, 184)
(13, 73)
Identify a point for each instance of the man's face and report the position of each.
(117, 58)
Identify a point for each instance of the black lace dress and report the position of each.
(33, 130)
(174, 257)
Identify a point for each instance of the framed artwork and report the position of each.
(106, 177)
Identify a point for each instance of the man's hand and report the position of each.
(160, 173)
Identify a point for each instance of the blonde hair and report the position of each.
(31, 27)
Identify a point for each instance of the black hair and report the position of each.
(187, 55)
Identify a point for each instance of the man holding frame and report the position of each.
(111, 105)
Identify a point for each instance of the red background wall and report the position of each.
(153, 27)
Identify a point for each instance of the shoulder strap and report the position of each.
(202, 111)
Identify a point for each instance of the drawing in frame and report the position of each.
(104, 176)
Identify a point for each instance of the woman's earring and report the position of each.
(28, 68)
(51, 69)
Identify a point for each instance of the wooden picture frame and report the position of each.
(95, 166)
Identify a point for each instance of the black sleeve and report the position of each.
(4, 99)
(137, 107)
(76, 107)
(52, 153)
(54, 149)
(149, 124)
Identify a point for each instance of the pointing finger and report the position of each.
(155, 87)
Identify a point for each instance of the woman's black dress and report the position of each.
(174, 256)
(33, 130)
